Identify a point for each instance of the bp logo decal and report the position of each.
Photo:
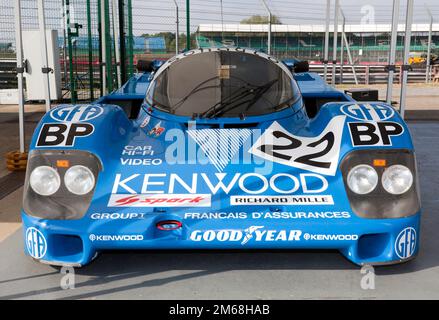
(76, 113)
(73, 125)
(405, 243)
(36, 243)
(368, 112)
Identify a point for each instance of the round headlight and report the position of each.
(362, 179)
(44, 180)
(79, 180)
(397, 179)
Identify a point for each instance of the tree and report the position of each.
(168, 36)
(258, 19)
(170, 40)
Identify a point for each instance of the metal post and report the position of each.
(326, 54)
(405, 66)
(177, 27)
(123, 57)
(130, 39)
(335, 42)
(64, 41)
(20, 70)
(101, 81)
(342, 45)
(269, 26)
(45, 60)
(108, 55)
(90, 51)
(104, 48)
(75, 50)
(367, 75)
(392, 53)
(72, 80)
(188, 25)
(116, 41)
(428, 66)
(222, 21)
(269, 32)
(351, 62)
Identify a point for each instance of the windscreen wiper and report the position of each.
(257, 92)
(199, 87)
(234, 97)
(288, 101)
(263, 90)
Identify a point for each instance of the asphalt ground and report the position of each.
(227, 275)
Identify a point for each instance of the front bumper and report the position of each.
(362, 241)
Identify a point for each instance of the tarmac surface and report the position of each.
(225, 275)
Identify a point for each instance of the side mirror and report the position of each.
(144, 66)
(148, 65)
(301, 66)
(297, 66)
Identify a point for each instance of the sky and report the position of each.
(156, 15)
(152, 16)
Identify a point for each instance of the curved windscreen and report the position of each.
(222, 84)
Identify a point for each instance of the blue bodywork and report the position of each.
(137, 157)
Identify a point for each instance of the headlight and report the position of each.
(73, 183)
(79, 180)
(362, 179)
(397, 179)
(44, 180)
(396, 193)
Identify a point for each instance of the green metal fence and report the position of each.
(78, 23)
(84, 44)
(148, 29)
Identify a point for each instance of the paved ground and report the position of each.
(232, 275)
(419, 96)
(9, 140)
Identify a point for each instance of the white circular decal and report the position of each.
(405, 244)
(76, 113)
(368, 112)
(36, 243)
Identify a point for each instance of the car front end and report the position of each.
(222, 177)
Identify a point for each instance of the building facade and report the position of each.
(367, 43)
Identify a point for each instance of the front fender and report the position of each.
(99, 129)
(368, 125)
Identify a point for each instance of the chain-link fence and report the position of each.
(78, 23)
(157, 29)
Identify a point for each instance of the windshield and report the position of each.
(223, 84)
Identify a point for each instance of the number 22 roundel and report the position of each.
(317, 154)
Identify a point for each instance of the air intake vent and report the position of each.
(240, 125)
(204, 125)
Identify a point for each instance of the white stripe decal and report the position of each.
(220, 145)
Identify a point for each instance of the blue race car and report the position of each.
(222, 149)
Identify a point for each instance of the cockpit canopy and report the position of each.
(222, 83)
